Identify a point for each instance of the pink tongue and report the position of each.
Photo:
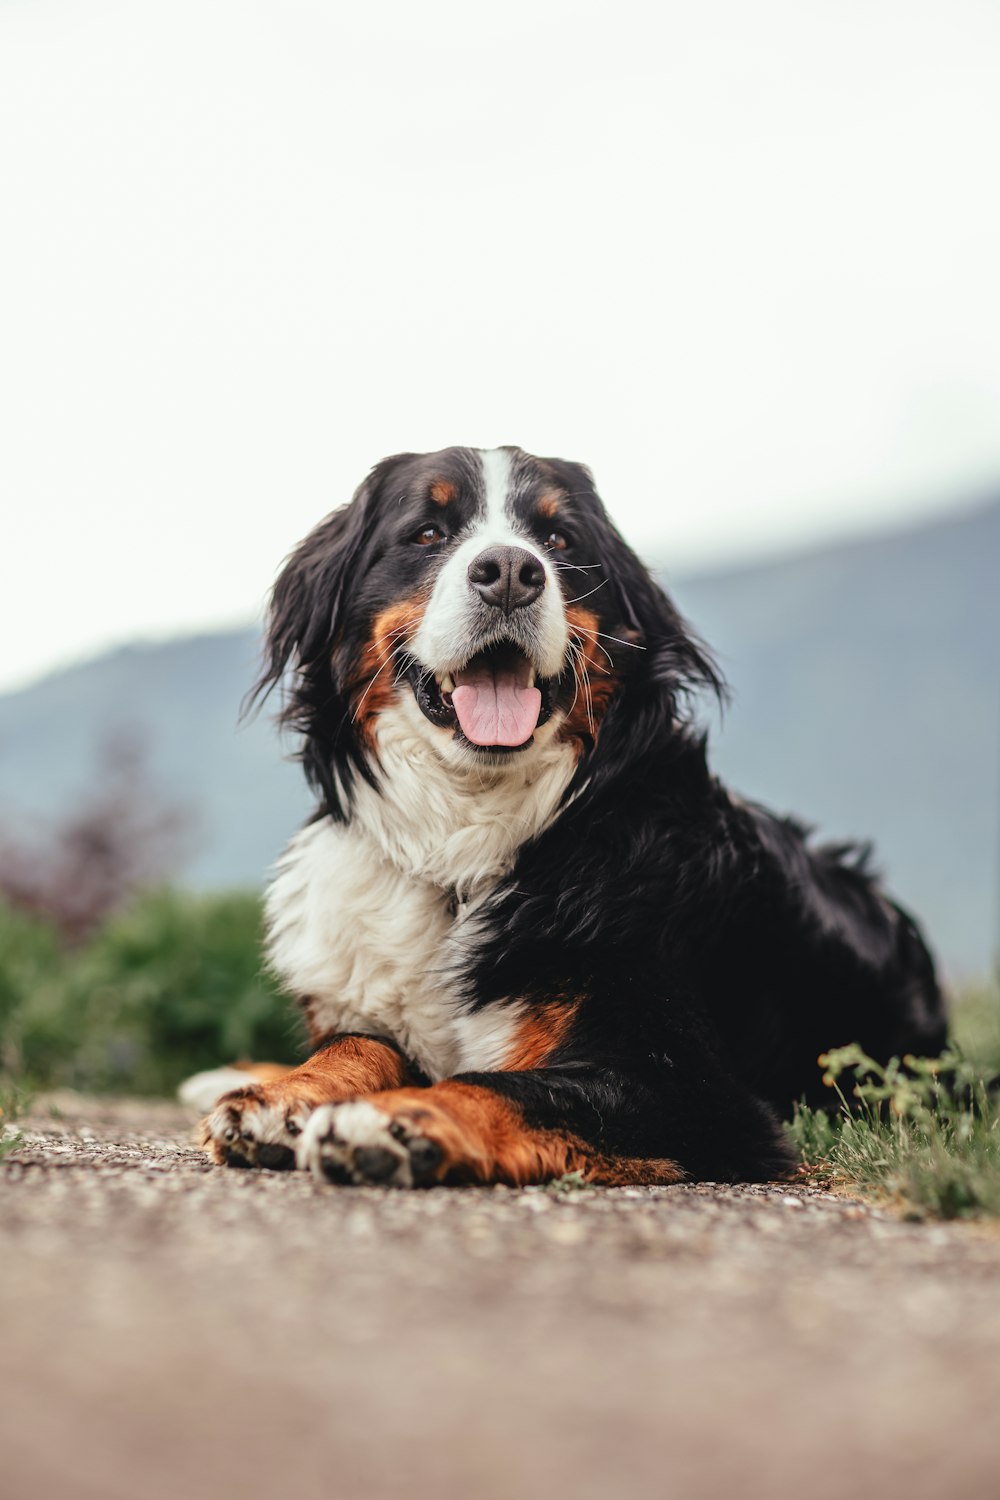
(494, 710)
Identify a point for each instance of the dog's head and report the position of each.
(485, 594)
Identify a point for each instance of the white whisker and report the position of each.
(634, 645)
(607, 653)
(395, 650)
(579, 597)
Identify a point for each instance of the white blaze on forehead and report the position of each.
(496, 487)
(446, 638)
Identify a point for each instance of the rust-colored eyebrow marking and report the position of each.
(548, 505)
(443, 492)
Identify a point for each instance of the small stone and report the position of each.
(567, 1232)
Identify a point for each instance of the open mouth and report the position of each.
(494, 701)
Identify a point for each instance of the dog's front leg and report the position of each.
(260, 1125)
(469, 1130)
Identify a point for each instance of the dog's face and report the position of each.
(485, 593)
(493, 644)
(470, 598)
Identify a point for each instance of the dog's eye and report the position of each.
(429, 536)
(555, 541)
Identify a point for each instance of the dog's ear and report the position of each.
(304, 624)
(674, 659)
(308, 598)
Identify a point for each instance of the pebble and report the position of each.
(566, 1232)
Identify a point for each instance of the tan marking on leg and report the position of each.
(483, 1138)
(264, 1072)
(350, 1066)
(539, 1032)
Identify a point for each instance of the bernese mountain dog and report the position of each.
(531, 933)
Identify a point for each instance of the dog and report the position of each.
(531, 933)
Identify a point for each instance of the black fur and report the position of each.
(713, 950)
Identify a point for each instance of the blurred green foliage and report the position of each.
(173, 984)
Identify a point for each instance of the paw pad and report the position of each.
(359, 1143)
(244, 1130)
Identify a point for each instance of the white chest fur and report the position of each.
(360, 916)
(366, 945)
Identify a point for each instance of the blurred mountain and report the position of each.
(866, 699)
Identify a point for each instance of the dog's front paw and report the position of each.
(256, 1127)
(360, 1143)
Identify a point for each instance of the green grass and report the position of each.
(13, 1102)
(170, 986)
(923, 1133)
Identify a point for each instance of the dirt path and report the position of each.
(168, 1328)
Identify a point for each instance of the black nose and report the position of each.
(507, 577)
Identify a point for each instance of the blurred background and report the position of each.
(739, 259)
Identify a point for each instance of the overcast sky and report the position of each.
(741, 258)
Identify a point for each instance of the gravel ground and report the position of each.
(169, 1328)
